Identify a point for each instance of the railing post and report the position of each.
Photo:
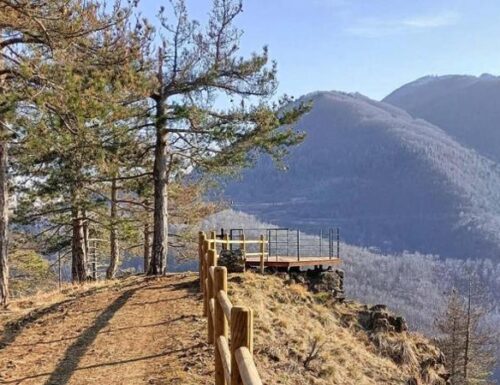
(220, 327)
(241, 335)
(225, 245)
(298, 245)
(338, 242)
(321, 243)
(201, 245)
(330, 243)
(262, 251)
(243, 248)
(212, 262)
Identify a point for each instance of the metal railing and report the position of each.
(288, 242)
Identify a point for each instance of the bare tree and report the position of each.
(468, 343)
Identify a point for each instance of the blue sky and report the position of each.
(368, 46)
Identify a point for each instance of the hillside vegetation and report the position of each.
(466, 107)
(292, 325)
(150, 331)
(386, 179)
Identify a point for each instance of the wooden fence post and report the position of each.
(241, 335)
(213, 237)
(225, 245)
(262, 251)
(220, 327)
(212, 262)
(206, 248)
(201, 258)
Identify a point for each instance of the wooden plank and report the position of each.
(225, 355)
(225, 304)
(246, 366)
(241, 335)
(304, 262)
(211, 306)
(220, 322)
(262, 253)
(236, 241)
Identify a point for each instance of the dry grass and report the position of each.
(138, 331)
(287, 321)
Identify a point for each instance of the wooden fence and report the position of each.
(230, 328)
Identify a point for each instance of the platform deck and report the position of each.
(288, 262)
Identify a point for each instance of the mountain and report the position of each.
(466, 107)
(388, 180)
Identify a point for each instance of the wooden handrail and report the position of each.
(225, 355)
(225, 303)
(234, 364)
(246, 366)
(236, 241)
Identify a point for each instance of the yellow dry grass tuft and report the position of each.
(291, 323)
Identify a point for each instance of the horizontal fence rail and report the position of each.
(230, 328)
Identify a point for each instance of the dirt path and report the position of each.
(140, 332)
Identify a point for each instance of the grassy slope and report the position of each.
(288, 319)
(156, 335)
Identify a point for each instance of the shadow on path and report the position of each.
(14, 328)
(69, 363)
(114, 330)
(95, 366)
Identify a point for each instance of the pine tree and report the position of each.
(77, 123)
(196, 68)
(30, 34)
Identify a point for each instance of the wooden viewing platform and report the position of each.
(267, 258)
(283, 262)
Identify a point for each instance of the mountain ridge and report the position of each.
(466, 107)
(360, 145)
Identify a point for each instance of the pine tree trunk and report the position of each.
(78, 258)
(113, 236)
(147, 247)
(86, 236)
(160, 228)
(4, 220)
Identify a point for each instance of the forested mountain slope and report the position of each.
(466, 107)
(386, 179)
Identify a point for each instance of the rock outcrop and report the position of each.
(233, 260)
(328, 281)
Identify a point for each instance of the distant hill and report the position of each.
(386, 179)
(467, 107)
